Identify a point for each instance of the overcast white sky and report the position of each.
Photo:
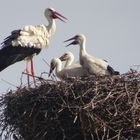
(112, 28)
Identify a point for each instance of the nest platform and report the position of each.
(89, 108)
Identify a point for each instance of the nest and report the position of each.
(90, 108)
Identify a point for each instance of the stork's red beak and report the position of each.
(59, 16)
(72, 43)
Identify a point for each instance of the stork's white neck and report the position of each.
(82, 46)
(82, 51)
(52, 26)
(58, 67)
(69, 61)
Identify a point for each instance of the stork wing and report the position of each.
(36, 36)
(30, 36)
(10, 55)
(98, 61)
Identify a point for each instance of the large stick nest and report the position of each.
(90, 108)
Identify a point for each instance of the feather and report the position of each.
(112, 71)
(10, 55)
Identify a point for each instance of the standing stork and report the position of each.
(28, 41)
(91, 64)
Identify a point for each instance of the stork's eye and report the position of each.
(50, 10)
(77, 36)
(66, 55)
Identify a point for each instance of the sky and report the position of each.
(112, 29)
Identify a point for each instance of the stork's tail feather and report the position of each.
(112, 71)
(116, 73)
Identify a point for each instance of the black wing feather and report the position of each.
(10, 55)
(8, 40)
(112, 71)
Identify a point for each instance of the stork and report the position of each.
(28, 41)
(91, 64)
(66, 72)
(69, 58)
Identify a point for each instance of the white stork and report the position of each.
(91, 64)
(68, 57)
(76, 67)
(66, 72)
(28, 41)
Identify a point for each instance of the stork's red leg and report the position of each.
(32, 70)
(27, 71)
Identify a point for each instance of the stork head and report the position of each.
(77, 39)
(66, 56)
(53, 65)
(50, 13)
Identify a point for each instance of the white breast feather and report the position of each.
(33, 36)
